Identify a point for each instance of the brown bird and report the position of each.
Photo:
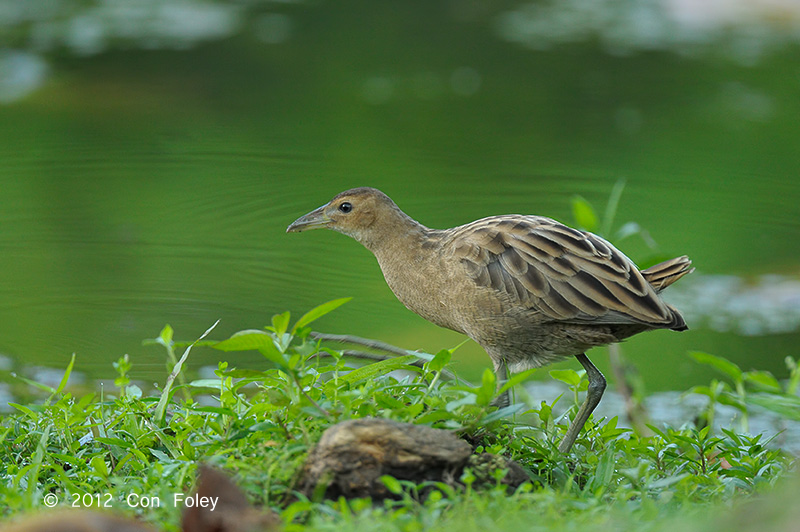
(528, 289)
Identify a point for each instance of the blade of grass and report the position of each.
(64, 380)
(38, 457)
(161, 407)
(611, 207)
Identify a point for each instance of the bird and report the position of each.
(528, 289)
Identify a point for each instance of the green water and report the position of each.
(145, 187)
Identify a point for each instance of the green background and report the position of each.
(142, 184)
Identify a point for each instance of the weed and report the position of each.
(261, 423)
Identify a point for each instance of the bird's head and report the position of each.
(354, 212)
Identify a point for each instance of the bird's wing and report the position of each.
(566, 274)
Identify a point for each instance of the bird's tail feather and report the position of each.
(665, 273)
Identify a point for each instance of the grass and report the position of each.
(122, 449)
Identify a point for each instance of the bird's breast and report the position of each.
(425, 286)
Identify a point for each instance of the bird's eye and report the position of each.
(346, 207)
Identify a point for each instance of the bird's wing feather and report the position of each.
(566, 274)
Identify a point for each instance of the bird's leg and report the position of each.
(597, 385)
(501, 373)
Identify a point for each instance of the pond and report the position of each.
(151, 161)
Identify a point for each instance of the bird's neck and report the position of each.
(395, 235)
(410, 260)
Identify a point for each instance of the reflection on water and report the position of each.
(745, 29)
(769, 304)
(89, 28)
(21, 72)
(93, 27)
(461, 81)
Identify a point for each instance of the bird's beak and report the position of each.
(316, 219)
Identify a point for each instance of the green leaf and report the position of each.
(666, 482)
(161, 455)
(794, 375)
(414, 410)
(280, 322)
(206, 383)
(25, 410)
(392, 484)
(119, 442)
(516, 379)
(764, 380)
(263, 426)
(440, 360)
(604, 471)
(378, 368)
(584, 214)
(99, 466)
(702, 390)
(389, 402)
(215, 410)
(247, 340)
(254, 340)
(295, 509)
(567, 376)
(486, 392)
(725, 366)
(165, 338)
(731, 400)
(788, 406)
(452, 406)
(500, 413)
(319, 311)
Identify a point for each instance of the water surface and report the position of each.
(149, 186)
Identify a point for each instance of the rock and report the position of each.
(351, 457)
